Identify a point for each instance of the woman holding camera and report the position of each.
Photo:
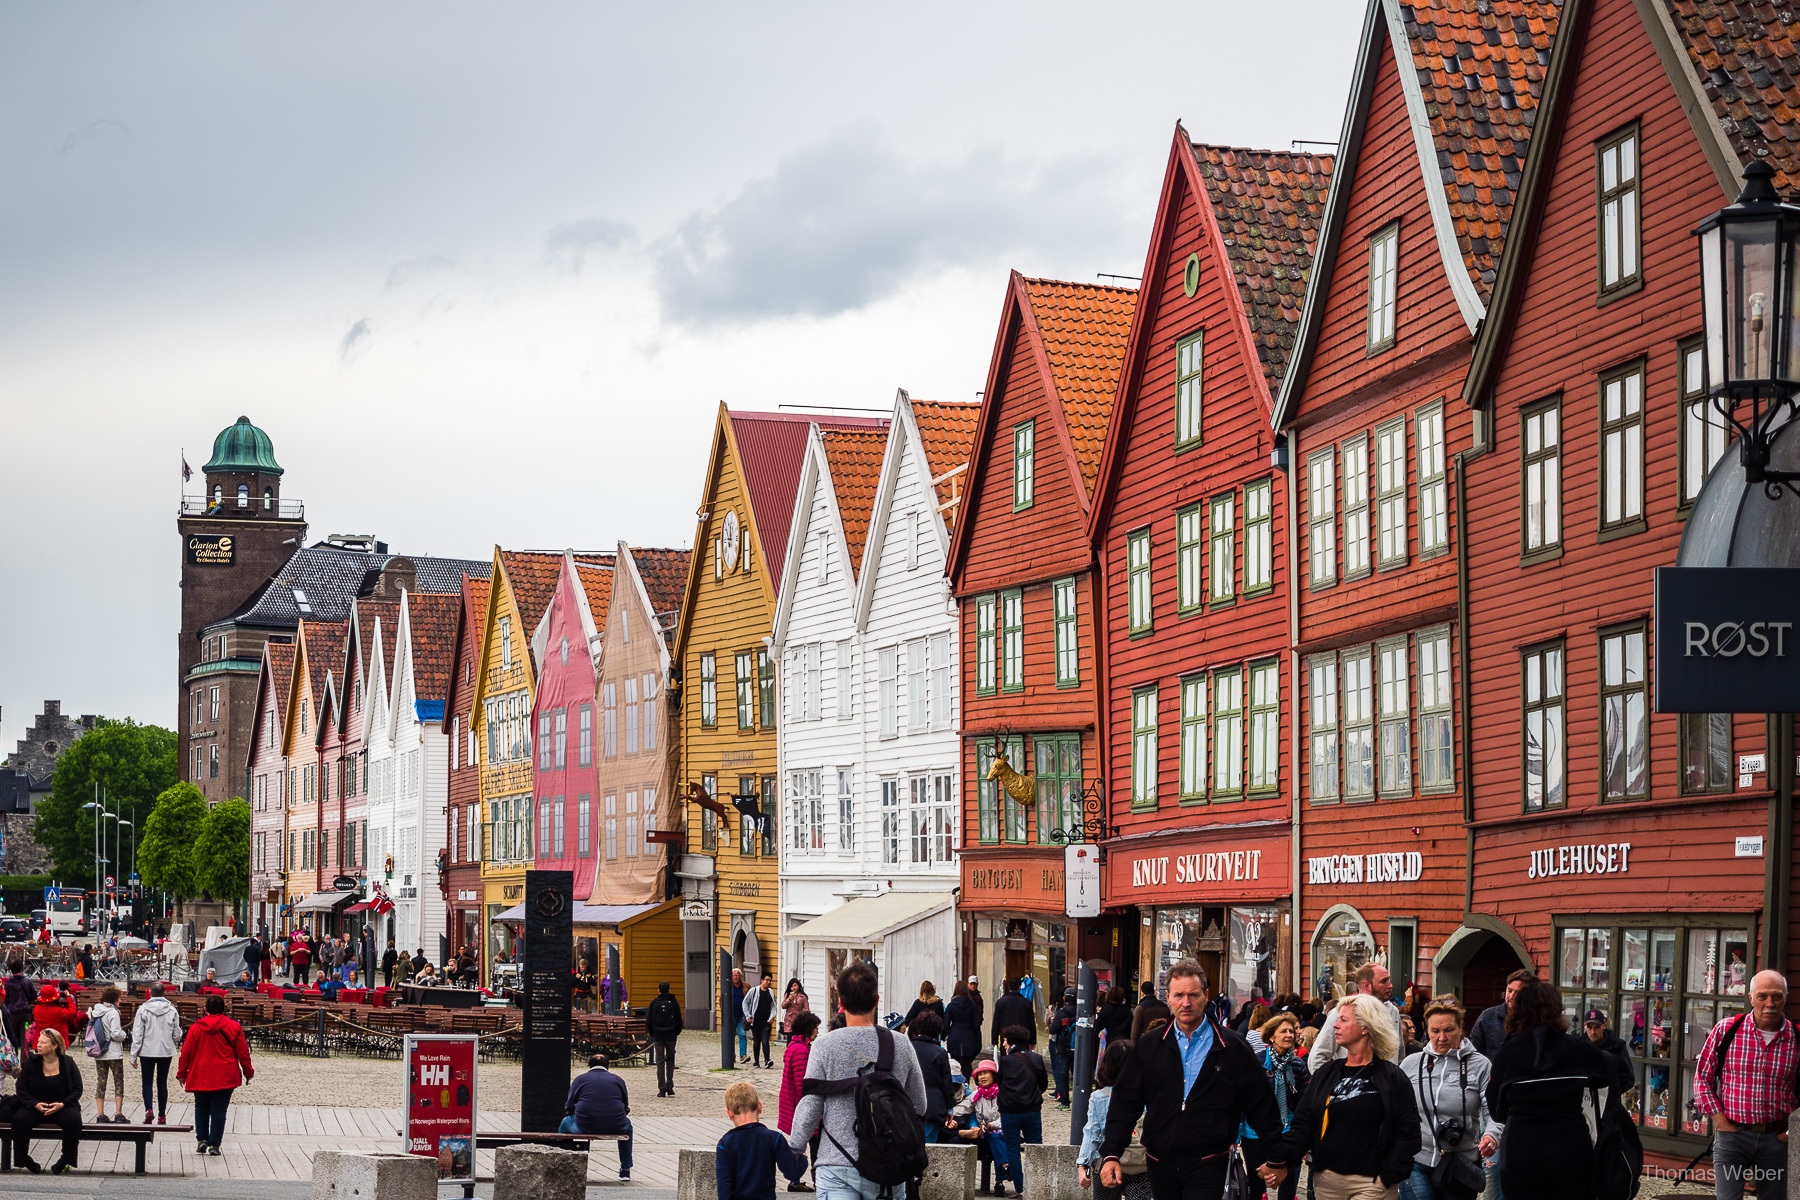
(1449, 1081)
(1357, 1117)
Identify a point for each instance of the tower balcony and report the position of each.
(243, 507)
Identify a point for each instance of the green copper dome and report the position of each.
(243, 447)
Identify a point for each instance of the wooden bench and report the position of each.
(141, 1134)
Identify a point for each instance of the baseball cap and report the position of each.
(971, 981)
(1595, 1017)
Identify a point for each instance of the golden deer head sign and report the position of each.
(1022, 788)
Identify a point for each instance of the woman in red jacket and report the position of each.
(793, 1075)
(215, 1059)
(54, 1010)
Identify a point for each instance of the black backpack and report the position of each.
(1618, 1154)
(890, 1139)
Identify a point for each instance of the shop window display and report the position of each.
(1256, 938)
(1342, 944)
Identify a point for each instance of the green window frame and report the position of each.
(997, 819)
(1137, 581)
(1228, 734)
(1223, 548)
(1705, 740)
(1617, 213)
(1012, 641)
(744, 683)
(1024, 464)
(709, 690)
(747, 830)
(1068, 638)
(1265, 727)
(1259, 536)
(1621, 499)
(1057, 761)
(987, 650)
(1193, 739)
(765, 686)
(1190, 582)
(1143, 748)
(1189, 360)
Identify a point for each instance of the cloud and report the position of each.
(93, 131)
(850, 221)
(356, 337)
(570, 243)
(412, 270)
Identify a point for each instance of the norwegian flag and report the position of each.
(187, 472)
(380, 902)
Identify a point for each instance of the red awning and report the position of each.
(360, 906)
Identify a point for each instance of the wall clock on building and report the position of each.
(729, 549)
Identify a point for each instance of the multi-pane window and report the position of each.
(1622, 447)
(609, 705)
(506, 649)
(1321, 515)
(631, 716)
(213, 703)
(1190, 529)
(841, 660)
(584, 816)
(771, 807)
(1143, 747)
(1437, 764)
(1384, 284)
(649, 703)
(1542, 688)
(1265, 726)
(1358, 696)
(1356, 507)
(940, 711)
(765, 686)
(1193, 737)
(557, 830)
(890, 821)
(1390, 493)
(846, 811)
(709, 820)
(545, 835)
(1541, 461)
(916, 712)
(1624, 715)
(933, 820)
(802, 791)
(745, 682)
(709, 697)
(1228, 734)
(631, 825)
(812, 681)
(1024, 470)
(1058, 770)
(986, 647)
(1068, 649)
(562, 739)
(994, 808)
(1137, 583)
(1188, 361)
(1434, 528)
(586, 744)
(747, 830)
(612, 827)
(1705, 752)
(1259, 536)
(1618, 216)
(1704, 433)
(1396, 714)
(1322, 726)
(1223, 548)
(887, 674)
(1012, 641)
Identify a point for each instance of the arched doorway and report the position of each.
(1474, 961)
(1342, 941)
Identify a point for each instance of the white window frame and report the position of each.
(1434, 525)
(1321, 514)
(1384, 284)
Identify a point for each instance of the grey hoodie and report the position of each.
(1453, 1085)
(155, 1030)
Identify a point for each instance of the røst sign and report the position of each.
(1727, 639)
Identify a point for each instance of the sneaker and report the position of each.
(62, 1167)
(161, 1120)
(743, 1060)
(213, 1150)
(200, 1148)
(147, 1116)
(120, 1118)
(624, 1176)
(31, 1164)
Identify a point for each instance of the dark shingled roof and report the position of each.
(1746, 60)
(332, 578)
(1268, 204)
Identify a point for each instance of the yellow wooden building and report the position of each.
(729, 873)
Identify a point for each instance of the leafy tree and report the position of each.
(130, 764)
(221, 853)
(166, 856)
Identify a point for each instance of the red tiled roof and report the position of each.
(772, 448)
(1268, 204)
(1481, 66)
(324, 653)
(664, 573)
(597, 585)
(854, 457)
(469, 618)
(367, 613)
(531, 574)
(947, 429)
(431, 621)
(281, 673)
(1084, 328)
(1746, 58)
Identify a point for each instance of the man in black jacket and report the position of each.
(1194, 1082)
(664, 1023)
(1609, 1043)
(1012, 1009)
(1489, 1031)
(1023, 1081)
(1062, 1030)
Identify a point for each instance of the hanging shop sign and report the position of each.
(1033, 881)
(1588, 858)
(440, 1102)
(1727, 639)
(1402, 867)
(1081, 880)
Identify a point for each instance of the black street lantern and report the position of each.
(1750, 284)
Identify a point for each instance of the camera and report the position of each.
(1450, 1132)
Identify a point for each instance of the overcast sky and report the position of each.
(483, 272)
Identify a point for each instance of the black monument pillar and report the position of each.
(549, 943)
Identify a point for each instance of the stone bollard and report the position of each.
(338, 1176)
(1050, 1173)
(949, 1171)
(696, 1176)
(539, 1173)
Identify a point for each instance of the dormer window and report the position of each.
(301, 602)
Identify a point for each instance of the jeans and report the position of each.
(156, 1070)
(1019, 1129)
(209, 1115)
(843, 1183)
(1494, 1190)
(743, 1032)
(1742, 1155)
(1059, 1070)
(759, 1044)
(1187, 1178)
(1417, 1186)
(571, 1125)
(665, 1067)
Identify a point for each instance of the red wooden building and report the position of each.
(1021, 567)
(1188, 525)
(1434, 137)
(1605, 835)
(462, 873)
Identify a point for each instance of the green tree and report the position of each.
(127, 763)
(222, 851)
(166, 856)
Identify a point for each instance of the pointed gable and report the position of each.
(854, 459)
(597, 582)
(946, 432)
(531, 577)
(431, 633)
(771, 450)
(1082, 328)
(324, 649)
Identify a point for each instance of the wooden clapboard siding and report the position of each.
(652, 952)
(464, 789)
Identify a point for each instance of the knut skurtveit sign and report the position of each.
(1727, 640)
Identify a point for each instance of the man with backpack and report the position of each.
(1023, 1081)
(664, 1022)
(1062, 1032)
(1745, 1081)
(864, 1091)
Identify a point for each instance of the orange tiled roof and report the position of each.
(854, 456)
(532, 575)
(947, 429)
(431, 621)
(1481, 67)
(281, 673)
(664, 573)
(1268, 204)
(367, 611)
(1084, 327)
(469, 618)
(597, 583)
(324, 652)
(1747, 62)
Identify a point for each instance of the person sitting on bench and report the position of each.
(598, 1103)
(50, 1094)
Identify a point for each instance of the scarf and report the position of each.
(1283, 1071)
(987, 1093)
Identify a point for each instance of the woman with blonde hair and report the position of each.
(1357, 1118)
(927, 1002)
(49, 1091)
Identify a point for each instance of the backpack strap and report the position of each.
(884, 1050)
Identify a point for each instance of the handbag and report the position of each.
(1134, 1161)
(1238, 1185)
(1456, 1178)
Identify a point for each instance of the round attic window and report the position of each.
(565, 651)
(50, 746)
(1190, 274)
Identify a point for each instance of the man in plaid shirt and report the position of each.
(1749, 1095)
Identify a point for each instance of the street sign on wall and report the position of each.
(1727, 639)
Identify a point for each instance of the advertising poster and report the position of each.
(439, 1102)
